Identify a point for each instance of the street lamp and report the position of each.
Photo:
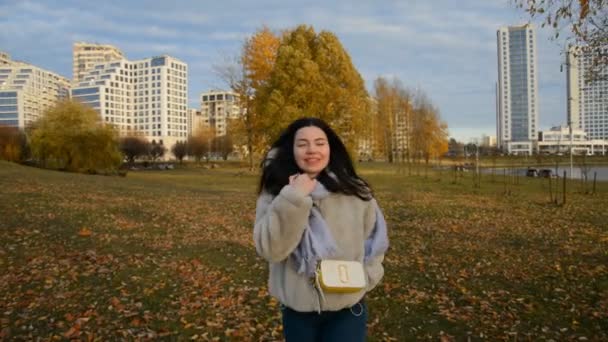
(570, 109)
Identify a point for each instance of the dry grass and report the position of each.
(170, 255)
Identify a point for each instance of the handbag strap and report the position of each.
(317, 286)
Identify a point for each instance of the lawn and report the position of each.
(168, 255)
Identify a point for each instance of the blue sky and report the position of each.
(446, 48)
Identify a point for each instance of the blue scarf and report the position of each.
(318, 244)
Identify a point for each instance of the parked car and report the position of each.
(532, 172)
(546, 173)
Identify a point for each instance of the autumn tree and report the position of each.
(71, 136)
(134, 147)
(439, 146)
(313, 75)
(455, 148)
(197, 147)
(13, 144)
(386, 103)
(223, 145)
(246, 75)
(368, 145)
(157, 150)
(586, 23)
(392, 116)
(234, 129)
(403, 123)
(179, 150)
(429, 134)
(199, 144)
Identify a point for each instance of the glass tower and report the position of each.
(517, 89)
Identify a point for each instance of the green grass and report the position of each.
(171, 256)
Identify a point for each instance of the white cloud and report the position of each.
(355, 25)
(228, 35)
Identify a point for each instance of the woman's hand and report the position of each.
(303, 182)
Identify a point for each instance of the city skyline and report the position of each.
(448, 50)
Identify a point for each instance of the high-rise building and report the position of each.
(196, 121)
(27, 91)
(87, 55)
(488, 140)
(146, 97)
(587, 100)
(218, 107)
(517, 89)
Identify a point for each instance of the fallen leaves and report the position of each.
(104, 259)
(85, 232)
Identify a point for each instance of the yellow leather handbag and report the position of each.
(338, 276)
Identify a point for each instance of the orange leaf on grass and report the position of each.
(85, 232)
(72, 332)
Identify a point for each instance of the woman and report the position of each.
(313, 207)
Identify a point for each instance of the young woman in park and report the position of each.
(322, 233)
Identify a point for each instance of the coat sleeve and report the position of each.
(280, 223)
(374, 267)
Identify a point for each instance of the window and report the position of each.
(8, 101)
(13, 123)
(83, 91)
(158, 61)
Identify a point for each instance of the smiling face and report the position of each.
(311, 150)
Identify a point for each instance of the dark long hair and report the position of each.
(279, 163)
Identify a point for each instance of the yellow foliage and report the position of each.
(313, 76)
(71, 136)
(259, 55)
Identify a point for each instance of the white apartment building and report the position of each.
(488, 140)
(196, 121)
(5, 58)
(400, 137)
(557, 140)
(146, 97)
(27, 91)
(366, 142)
(218, 107)
(87, 55)
(587, 101)
(517, 115)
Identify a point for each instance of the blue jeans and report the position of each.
(348, 324)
